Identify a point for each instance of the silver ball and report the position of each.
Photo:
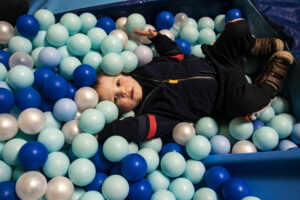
(31, 121)
(8, 127)
(167, 33)
(121, 23)
(85, 98)
(59, 188)
(7, 31)
(243, 146)
(71, 129)
(121, 35)
(182, 132)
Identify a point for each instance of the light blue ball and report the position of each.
(40, 40)
(115, 148)
(109, 110)
(92, 195)
(265, 138)
(155, 144)
(51, 121)
(219, 23)
(267, 114)
(65, 109)
(282, 125)
(135, 21)
(172, 164)
(194, 171)
(182, 188)
(3, 72)
(82, 172)
(285, 145)
(68, 65)
(45, 18)
(158, 181)
(205, 193)
(251, 198)
(206, 36)
(96, 36)
(84, 145)
(20, 77)
(79, 44)
(57, 164)
(130, 61)
(198, 147)
(295, 136)
(35, 55)
(280, 105)
(112, 64)
(240, 129)
(72, 22)
(207, 127)
(151, 157)
(57, 35)
(206, 22)
(163, 195)
(91, 121)
(5, 171)
(19, 43)
(52, 138)
(11, 149)
(110, 44)
(197, 51)
(131, 45)
(220, 145)
(93, 59)
(190, 33)
(49, 57)
(88, 21)
(115, 187)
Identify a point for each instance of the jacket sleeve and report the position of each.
(165, 46)
(143, 127)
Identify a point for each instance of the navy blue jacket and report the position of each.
(176, 88)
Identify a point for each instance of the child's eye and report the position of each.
(118, 83)
(115, 99)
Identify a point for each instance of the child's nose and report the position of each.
(125, 92)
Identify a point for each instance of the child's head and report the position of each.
(123, 90)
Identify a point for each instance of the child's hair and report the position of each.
(10, 10)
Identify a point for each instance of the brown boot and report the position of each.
(276, 70)
(267, 46)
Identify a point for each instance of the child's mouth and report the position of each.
(132, 93)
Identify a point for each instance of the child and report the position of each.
(175, 88)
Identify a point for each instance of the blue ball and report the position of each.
(170, 147)
(215, 177)
(28, 98)
(7, 100)
(107, 24)
(46, 105)
(164, 20)
(55, 88)
(27, 25)
(133, 167)
(33, 155)
(235, 189)
(40, 76)
(4, 58)
(71, 91)
(184, 46)
(116, 169)
(141, 189)
(100, 162)
(233, 14)
(96, 184)
(7, 190)
(65, 109)
(257, 124)
(84, 75)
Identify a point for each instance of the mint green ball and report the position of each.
(111, 44)
(283, 125)
(57, 35)
(115, 187)
(158, 180)
(79, 44)
(40, 40)
(172, 164)
(205, 193)
(64, 52)
(115, 148)
(35, 55)
(88, 21)
(5, 172)
(52, 138)
(19, 44)
(151, 157)
(219, 23)
(194, 171)
(84, 145)
(206, 22)
(18, 171)
(197, 51)
(1, 148)
(155, 144)
(51, 121)
(280, 105)
(82, 172)
(130, 61)
(109, 110)
(45, 18)
(3, 72)
(192, 22)
(93, 59)
(72, 22)
(267, 114)
(131, 45)
(207, 127)
(190, 33)
(11, 150)
(250, 198)
(182, 188)
(265, 138)
(163, 194)
(240, 129)
(20, 77)
(96, 36)
(91, 121)
(57, 164)
(92, 195)
(78, 192)
(68, 65)
(198, 147)
(135, 21)
(112, 64)
(206, 36)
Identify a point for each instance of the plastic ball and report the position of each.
(20, 58)
(57, 35)
(170, 147)
(265, 138)
(35, 54)
(189, 33)
(92, 195)
(121, 35)
(96, 36)
(131, 45)
(33, 155)
(79, 192)
(85, 98)
(182, 132)
(88, 21)
(72, 22)
(7, 100)
(206, 36)
(84, 145)
(158, 180)
(112, 64)
(100, 162)
(7, 31)
(7, 190)
(219, 23)
(40, 40)
(54, 88)
(243, 146)
(206, 22)
(282, 125)
(215, 177)
(155, 144)
(27, 25)
(164, 20)
(181, 20)
(8, 126)
(250, 198)
(267, 114)
(27, 98)
(106, 23)
(11, 149)
(68, 66)
(96, 184)
(257, 124)
(59, 188)
(163, 195)
(182, 188)
(235, 189)
(151, 158)
(141, 189)
(205, 193)
(130, 61)
(19, 44)
(240, 129)
(93, 59)
(109, 110)
(52, 138)
(173, 164)
(6, 171)
(233, 14)
(91, 121)
(184, 46)
(220, 145)
(70, 130)
(65, 109)
(295, 136)
(121, 23)
(133, 167)
(84, 75)
(135, 21)
(49, 57)
(197, 51)
(64, 52)
(286, 145)
(207, 127)
(31, 121)
(280, 105)
(45, 18)
(132, 147)
(4, 58)
(20, 77)
(198, 147)
(82, 172)
(79, 44)
(167, 33)
(115, 187)
(111, 44)
(192, 22)
(115, 148)
(144, 55)
(194, 171)
(57, 164)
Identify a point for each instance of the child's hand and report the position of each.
(150, 33)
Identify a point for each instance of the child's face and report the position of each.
(124, 91)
